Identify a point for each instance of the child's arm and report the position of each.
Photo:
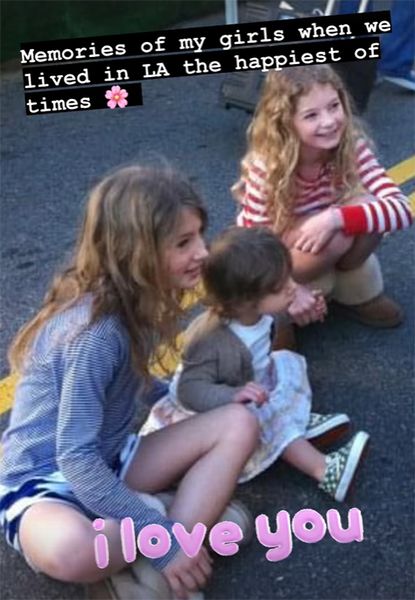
(251, 392)
(238, 188)
(251, 193)
(308, 306)
(384, 209)
(89, 366)
(318, 230)
(388, 211)
(200, 386)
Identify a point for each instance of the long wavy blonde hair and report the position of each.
(272, 138)
(130, 217)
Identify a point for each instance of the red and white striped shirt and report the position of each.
(388, 211)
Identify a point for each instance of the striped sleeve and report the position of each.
(388, 211)
(90, 365)
(254, 196)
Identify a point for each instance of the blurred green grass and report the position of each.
(37, 20)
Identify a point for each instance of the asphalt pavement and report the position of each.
(48, 164)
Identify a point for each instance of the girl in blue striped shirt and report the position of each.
(69, 453)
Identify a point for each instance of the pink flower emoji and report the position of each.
(116, 96)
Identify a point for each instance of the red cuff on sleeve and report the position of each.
(354, 219)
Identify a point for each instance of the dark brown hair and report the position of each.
(243, 265)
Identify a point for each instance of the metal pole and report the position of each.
(363, 6)
(231, 12)
(330, 7)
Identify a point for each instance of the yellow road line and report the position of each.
(169, 363)
(7, 386)
(400, 173)
(403, 171)
(170, 358)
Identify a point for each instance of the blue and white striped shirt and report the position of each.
(74, 409)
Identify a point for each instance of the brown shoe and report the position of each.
(285, 338)
(381, 312)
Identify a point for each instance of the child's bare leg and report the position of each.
(363, 246)
(59, 541)
(307, 266)
(208, 451)
(306, 458)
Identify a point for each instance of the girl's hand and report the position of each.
(185, 574)
(307, 306)
(251, 392)
(321, 305)
(317, 231)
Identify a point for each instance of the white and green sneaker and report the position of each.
(324, 430)
(342, 466)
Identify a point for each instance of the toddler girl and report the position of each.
(69, 454)
(228, 360)
(311, 176)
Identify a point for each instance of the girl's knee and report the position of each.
(65, 553)
(339, 245)
(307, 266)
(239, 422)
(71, 565)
(362, 248)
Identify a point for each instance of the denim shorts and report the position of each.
(53, 487)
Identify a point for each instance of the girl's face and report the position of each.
(278, 301)
(185, 252)
(319, 119)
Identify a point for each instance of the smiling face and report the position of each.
(184, 253)
(319, 119)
